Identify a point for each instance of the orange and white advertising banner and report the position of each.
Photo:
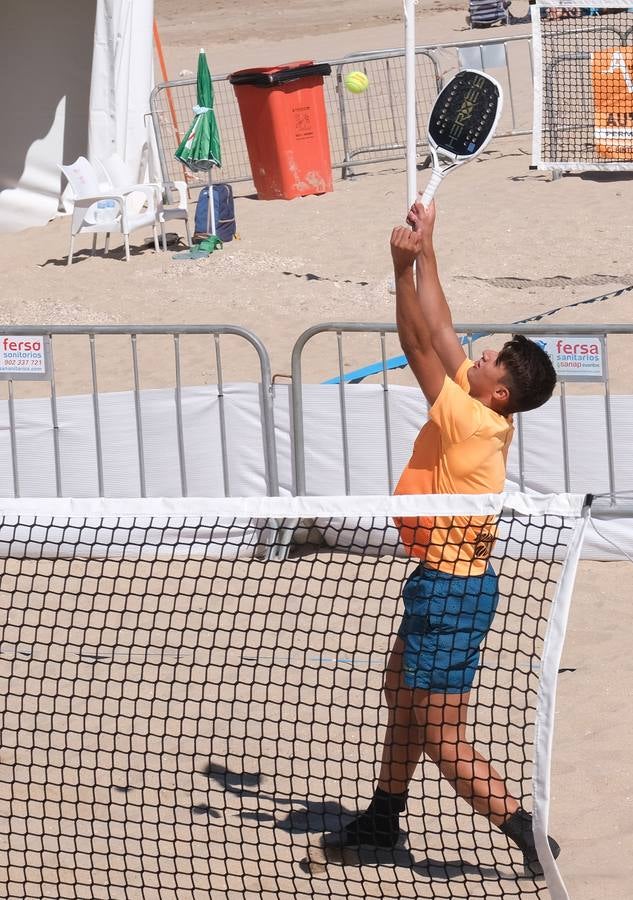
(612, 79)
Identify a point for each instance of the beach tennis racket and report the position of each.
(461, 123)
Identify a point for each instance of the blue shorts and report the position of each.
(446, 618)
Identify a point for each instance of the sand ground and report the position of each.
(560, 241)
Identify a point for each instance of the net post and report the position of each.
(546, 704)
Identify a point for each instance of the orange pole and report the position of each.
(163, 69)
(170, 102)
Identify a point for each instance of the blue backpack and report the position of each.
(224, 210)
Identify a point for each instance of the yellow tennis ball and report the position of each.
(356, 82)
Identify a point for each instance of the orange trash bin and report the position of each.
(285, 126)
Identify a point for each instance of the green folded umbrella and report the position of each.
(200, 150)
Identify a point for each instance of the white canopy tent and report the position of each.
(76, 80)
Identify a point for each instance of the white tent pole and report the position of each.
(409, 76)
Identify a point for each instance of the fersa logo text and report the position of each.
(564, 347)
(10, 344)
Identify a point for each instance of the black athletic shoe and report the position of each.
(379, 825)
(518, 827)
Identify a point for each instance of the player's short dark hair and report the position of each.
(530, 375)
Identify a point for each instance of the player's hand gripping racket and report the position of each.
(462, 121)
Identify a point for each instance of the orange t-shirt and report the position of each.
(462, 449)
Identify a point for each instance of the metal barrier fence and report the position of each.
(472, 333)
(363, 128)
(89, 365)
(79, 368)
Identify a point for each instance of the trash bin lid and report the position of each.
(269, 77)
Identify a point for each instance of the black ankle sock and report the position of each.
(388, 804)
(379, 824)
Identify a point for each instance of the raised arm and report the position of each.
(415, 338)
(431, 299)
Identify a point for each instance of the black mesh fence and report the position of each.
(586, 87)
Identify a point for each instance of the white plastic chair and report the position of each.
(118, 173)
(134, 207)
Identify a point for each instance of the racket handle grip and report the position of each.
(431, 188)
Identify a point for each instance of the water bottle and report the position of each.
(105, 211)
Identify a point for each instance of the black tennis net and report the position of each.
(192, 698)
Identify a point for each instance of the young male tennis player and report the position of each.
(451, 597)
